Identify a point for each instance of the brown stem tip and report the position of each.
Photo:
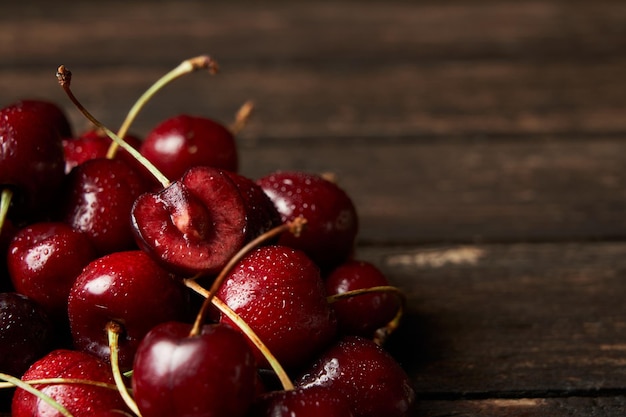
(204, 61)
(64, 75)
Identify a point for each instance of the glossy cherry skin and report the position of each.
(81, 400)
(184, 141)
(362, 314)
(48, 113)
(128, 288)
(44, 259)
(332, 221)
(279, 293)
(193, 226)
(31, 160)
(301, 402)
(26, 333)
(93, 144)
(211, 374)
(366, 375)
(98, 196)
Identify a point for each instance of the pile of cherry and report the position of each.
(148, 277)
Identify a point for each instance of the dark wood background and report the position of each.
(484, 143)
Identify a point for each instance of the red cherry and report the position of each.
(185, 141)
(301, 402)
(211, 374)
(98, 197)
(94, 144)
(81, 400)
(128, 288)
(44, 259)
(366, 375)
(193, 226)
(332, 221)
(31, 157)
(362, 314)
(279, 293)
(26, 333)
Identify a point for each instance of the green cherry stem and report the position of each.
(381, 334)
(55, 381)
(5, 202)
(64, 76)
(39, 394)
(113, 332)
(187, 66)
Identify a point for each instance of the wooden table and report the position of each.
(483, 142)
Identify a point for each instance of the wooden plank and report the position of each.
(510, 321)
(393, 68)
(421, 191)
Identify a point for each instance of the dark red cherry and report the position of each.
(94, 144)
(98, 196)
(279, 293)
(128, 288)
(362, 314)
(182, 142)
(368, 377)
(44, 259)
(301, 402)
(48, 113)
(81, 400)
(261, 214)
(26, 333)
(193, 226)
(211, 374)
(332, 221)
(6, 235)
(31, 158)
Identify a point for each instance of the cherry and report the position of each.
(279, 293)
(361, 314)
(80, 399)
(332, 221)
(185, 141)
(44, 259)
(361, 371)
(209, 374)
(128, 288)
(97, 199)
(31, 158)
(26, 333)
(193, 226)
(301, 402)
(94, 144)
(48, 113)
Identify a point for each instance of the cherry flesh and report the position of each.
(366, 375)
(44, 259)
(81, 400)
(98, 197)
(184, 141)
(193, 226)
(31, 159)
(128, 288)
(279, 293)
(211, 374)
(362, 314)
(332, 221)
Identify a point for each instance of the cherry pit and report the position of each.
(147, 276)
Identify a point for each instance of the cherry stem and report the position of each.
(295, 227)
(186, 67)
(64, 76)
(247, 331)
(56, 381)
(113, 332)
(5, 203)
(39, 394)
(381, 334)
(242, 117)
